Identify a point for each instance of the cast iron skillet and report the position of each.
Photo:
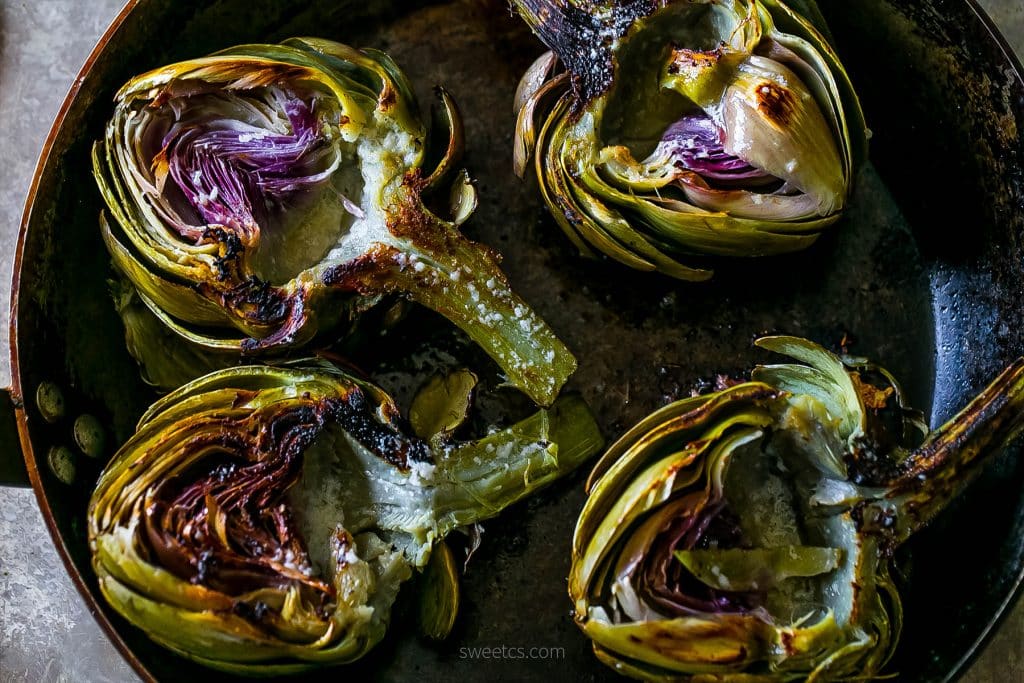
(925, 273)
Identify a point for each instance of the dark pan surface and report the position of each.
(924, 274)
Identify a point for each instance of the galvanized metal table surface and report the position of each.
(46, 634)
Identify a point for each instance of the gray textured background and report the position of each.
(46, 634)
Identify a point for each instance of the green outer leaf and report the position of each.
(699, 645)
(836, 380)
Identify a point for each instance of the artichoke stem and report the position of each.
(955, 453)
(461, 280)
(490, 474)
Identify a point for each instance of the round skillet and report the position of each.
(924, 274)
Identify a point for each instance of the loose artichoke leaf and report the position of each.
(738, 569)
(445, 168)
(533, 80)
(439, 594)
(443, 404)
(525, 139)
(463, 199)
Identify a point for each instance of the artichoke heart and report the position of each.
(268, 195)
(682, 128)
(745, 535)
(262, 520)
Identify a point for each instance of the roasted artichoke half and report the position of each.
(673, 128)
(746, 535)
(262, 519)
(268, 193)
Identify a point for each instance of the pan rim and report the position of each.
(17, 391)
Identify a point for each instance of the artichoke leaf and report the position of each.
(442, 405)
(439, 594)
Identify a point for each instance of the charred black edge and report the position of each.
(583, 40)
(366, 274)
(250, 298)
(290, 309)
(387, 442)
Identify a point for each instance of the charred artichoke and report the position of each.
(262, 519)
(270, 192)
(697, 127)
(746, 535)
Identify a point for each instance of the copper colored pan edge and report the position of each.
(17, 391)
